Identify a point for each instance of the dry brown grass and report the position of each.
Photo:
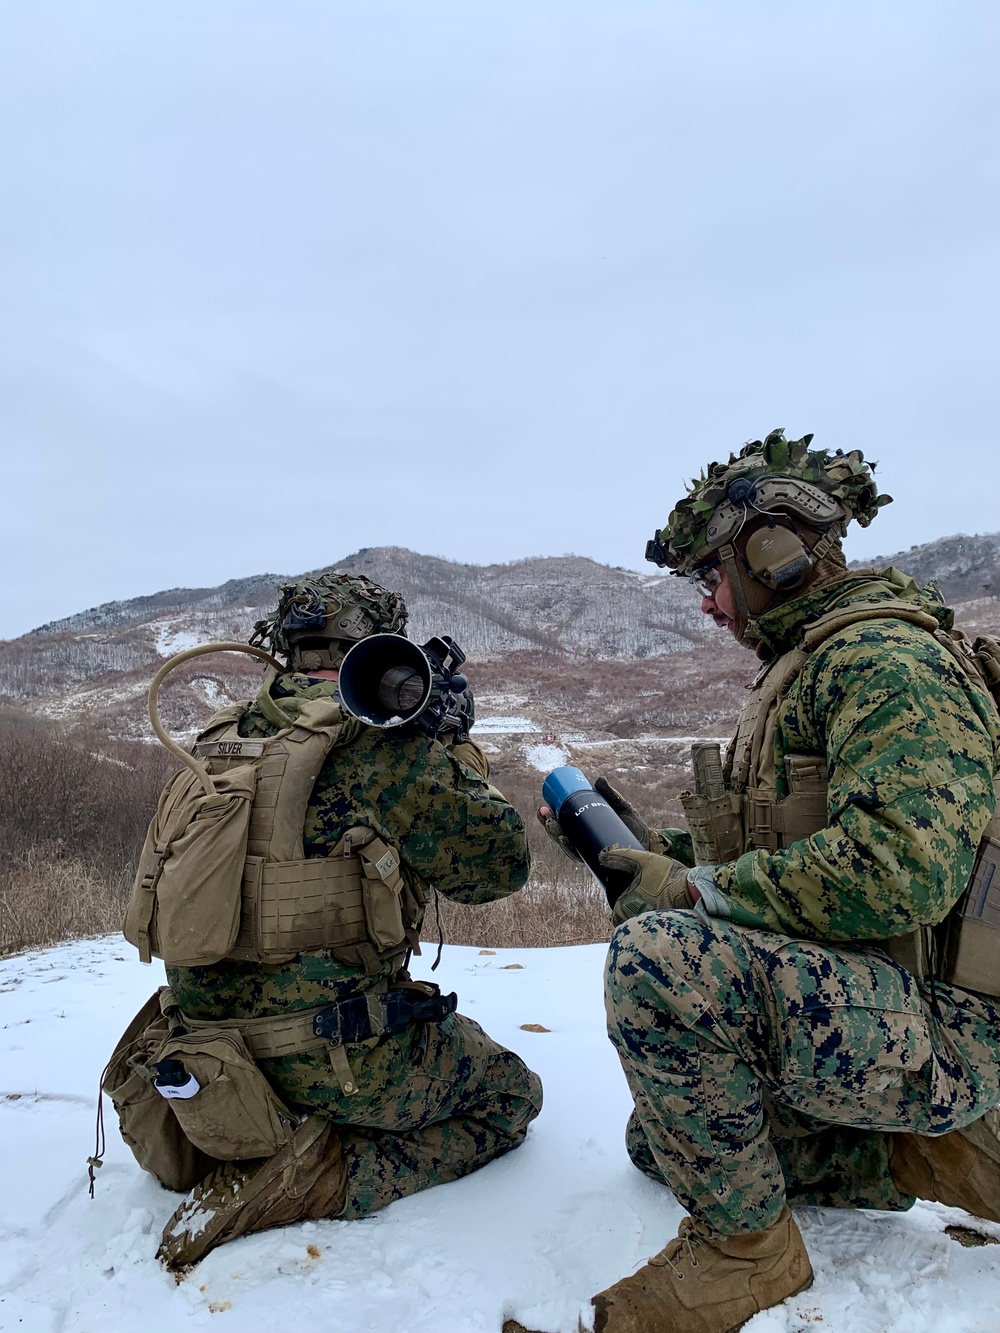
(73, 814)
(571, 911)
(44, 902)
(74, 809)
(695, 692)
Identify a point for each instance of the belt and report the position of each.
(358, 1019)
(373, 1013)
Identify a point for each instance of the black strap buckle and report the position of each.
(352, 1020)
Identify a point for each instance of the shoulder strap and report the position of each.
(843, 617)
(287, 763)
(224, 717)
(776, 678)
(756, 725)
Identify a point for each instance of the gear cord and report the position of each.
(100, 1143)
(440, 929)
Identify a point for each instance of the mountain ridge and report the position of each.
(569, 610)
(963, 565)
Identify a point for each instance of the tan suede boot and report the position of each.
(307, 1178)
(708, 1284)
(960, 1169)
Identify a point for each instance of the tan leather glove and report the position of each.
(553, 828)
(657, 882)
(629, 816)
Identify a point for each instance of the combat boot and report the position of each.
(704, 1283)
(960, 1169)
(307, 1178)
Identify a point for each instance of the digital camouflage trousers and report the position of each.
(764, 1067)
(432, 1103)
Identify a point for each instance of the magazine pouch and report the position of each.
(715, 826)
(972, 930)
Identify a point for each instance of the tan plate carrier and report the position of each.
(964, 949)
(223, 872)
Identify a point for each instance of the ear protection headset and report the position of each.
(777, 555)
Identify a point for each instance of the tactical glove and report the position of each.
(553, 828)
(630, 816)
(625, 811)
(657, 882)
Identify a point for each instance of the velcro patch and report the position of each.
(386, 864)
(230, 749)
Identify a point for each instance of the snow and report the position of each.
(532, 1236)
(650, 740)
(177, 636)
(545, 758)
(503, 725)
(212, 692)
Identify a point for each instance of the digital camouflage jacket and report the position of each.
(448, 824)
(910, 743)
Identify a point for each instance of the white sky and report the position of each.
(482, 279)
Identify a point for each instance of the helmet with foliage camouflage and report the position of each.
(772, 476)
(318, 619)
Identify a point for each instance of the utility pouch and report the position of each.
(992, 829)
(235, 1113)
(382, 893)
(185, 902)
(715, 825)
(986, 651)
(972, 931)
(148, 1125)
(803, 812)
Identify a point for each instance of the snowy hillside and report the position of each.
(963, 566)
(532, 1236)
(98, 664)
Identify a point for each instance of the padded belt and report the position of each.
(268, 1038)
(357, 1020)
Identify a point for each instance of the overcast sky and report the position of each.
(483, 278)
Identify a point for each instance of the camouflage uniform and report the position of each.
(435, 1101)
(768, 1045)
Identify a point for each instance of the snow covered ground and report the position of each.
(544, 758)
(503, 726)
(531, 1236)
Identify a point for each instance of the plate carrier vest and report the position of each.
(359, 901)
(747, 814)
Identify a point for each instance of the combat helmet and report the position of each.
(318, 619)
(768, 515)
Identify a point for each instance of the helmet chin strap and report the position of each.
(731, 564)
(745, 625)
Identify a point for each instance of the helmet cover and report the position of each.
(822, 488)
(331, 610)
